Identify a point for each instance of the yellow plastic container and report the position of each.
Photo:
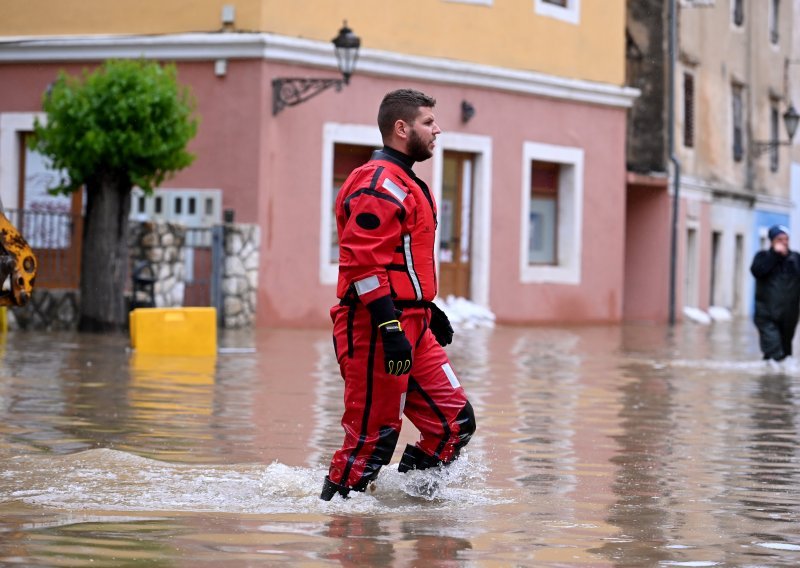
(174, 331)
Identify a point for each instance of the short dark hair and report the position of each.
(402, 104)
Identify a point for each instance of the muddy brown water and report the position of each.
(628, 445)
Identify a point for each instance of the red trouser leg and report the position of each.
(437, 404)
(375, 401)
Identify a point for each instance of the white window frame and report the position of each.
(332, 134)
(570, 14)
(11, 125)
(567, 269)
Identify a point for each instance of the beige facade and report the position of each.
(723, 56)
(731, 162)
(732, 57)
(585, 43)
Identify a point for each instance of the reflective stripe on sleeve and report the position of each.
(451, 376)
(410, 265)
(394, 189)
(366, 285)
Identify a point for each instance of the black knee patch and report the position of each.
(466, 425)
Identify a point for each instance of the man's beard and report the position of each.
(417, 149)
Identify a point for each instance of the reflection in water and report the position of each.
(772, 495)
(547, 378)
(94, 541)
(168, 395)
(596, 446)
(641, 482)
(363, 541)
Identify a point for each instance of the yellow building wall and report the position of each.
(508, 33)
(78, 17)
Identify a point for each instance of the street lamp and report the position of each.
(291, 91)
(790, 121)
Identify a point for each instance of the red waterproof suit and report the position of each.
(386, 221)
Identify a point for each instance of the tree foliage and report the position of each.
(122, 125)
(129, 119)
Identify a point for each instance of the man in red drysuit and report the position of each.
(387, 332)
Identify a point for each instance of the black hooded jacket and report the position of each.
(777, 285)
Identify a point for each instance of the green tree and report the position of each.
(125, 124)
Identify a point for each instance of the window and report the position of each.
(189, 207)
(543, 226)
(344, 147)
(47, 218)
(552, 211)
(774, 124)
(774, 20)
(738, 122)
(346, 158)
(688, 110)
(738, 12)
(565, 10)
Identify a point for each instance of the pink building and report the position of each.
(531, 185)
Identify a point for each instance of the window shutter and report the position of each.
(688, 110)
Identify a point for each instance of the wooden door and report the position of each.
(455, 225)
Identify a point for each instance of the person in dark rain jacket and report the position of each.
(777, 273)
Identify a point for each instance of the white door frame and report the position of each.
(481, 147)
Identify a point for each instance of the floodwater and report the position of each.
(596, 446)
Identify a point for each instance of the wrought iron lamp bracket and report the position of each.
(761, 147)
(292, 91)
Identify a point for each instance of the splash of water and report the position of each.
(105, 479)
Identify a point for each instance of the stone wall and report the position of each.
(162, 246)
(240, 275)
(48, 309)
(646, 30)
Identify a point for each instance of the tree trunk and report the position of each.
(104, 257)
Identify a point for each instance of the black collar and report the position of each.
(396, 156)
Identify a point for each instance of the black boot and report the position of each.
(415, 458)
(329, 489)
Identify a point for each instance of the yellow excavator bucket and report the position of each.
(17, 265)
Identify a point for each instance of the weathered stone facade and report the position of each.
(48, 309)
(162, 246)
(646, 36)
(240, 276)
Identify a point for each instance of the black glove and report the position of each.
(440, 326)
(396, 348)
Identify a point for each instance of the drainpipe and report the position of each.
(676, 170)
